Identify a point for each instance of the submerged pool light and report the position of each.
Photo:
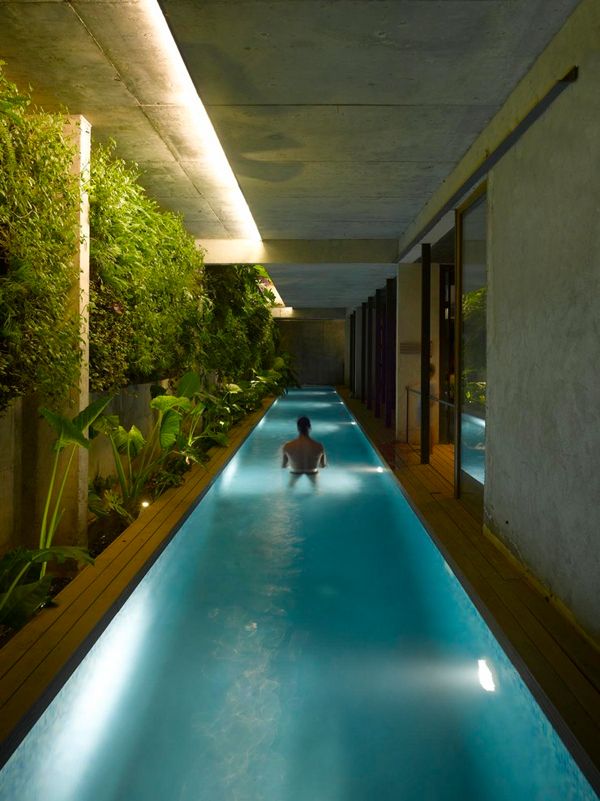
(486, 679)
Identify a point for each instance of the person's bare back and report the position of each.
(303, 454)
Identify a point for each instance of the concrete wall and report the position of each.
(542, 494)
(10, 474)
(318, 348)
(132, 406)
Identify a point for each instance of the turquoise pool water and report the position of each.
(472, 440)
(297, 641)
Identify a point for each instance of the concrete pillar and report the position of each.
(37, 438)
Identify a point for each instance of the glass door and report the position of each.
(471, 225)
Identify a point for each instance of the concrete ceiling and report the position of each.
(340, 118)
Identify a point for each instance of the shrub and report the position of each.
(242, 331)
(39, 199)
(146, 312)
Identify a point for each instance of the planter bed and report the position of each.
(41, 656)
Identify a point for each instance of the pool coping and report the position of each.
(559, 664)
(41, 656)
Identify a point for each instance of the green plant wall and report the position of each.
(146, 297)
(39, 199)
(242, 334)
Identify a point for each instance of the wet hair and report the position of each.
(303, 425)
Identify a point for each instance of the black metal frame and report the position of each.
(458, 362)
(425, 349)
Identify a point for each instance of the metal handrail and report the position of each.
(450, 404)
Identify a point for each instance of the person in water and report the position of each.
(303, 454)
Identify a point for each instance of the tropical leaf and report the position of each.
(169, 429)
(132, 440)
(189, 385)
(165, 402)
(23, 602)
(87, 416)
(67, 433)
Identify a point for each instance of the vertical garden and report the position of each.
(200, 339)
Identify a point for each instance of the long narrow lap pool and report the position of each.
(297, 641)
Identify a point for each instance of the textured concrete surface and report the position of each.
(318, 349)
(542, 494)
(341, 118)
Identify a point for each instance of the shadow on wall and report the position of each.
(317, 347)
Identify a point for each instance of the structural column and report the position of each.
(38, 439)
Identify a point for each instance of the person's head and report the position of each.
(303, 425)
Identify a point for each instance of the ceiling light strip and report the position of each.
(186, 96)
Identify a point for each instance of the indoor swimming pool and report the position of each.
(298, 640)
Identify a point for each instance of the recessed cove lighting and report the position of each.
(486, 679)
(202, 136)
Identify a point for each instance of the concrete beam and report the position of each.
(300, 251)
(551, 66)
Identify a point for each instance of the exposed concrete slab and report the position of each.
(341, 118)
(338, 284)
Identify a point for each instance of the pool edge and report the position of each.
(41, 656)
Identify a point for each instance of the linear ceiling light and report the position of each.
(186, 96)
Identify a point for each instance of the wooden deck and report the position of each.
(559, 663)
(39, 658)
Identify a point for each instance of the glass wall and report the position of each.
(472, 357)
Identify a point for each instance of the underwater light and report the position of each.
(486, 678)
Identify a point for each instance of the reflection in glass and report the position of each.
(473, 340)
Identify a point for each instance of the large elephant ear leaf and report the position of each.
(169, 429)
(136, 440)
(106, 424)
(67, 433)
(59, 553)
(132, 440)
(87, 416)
(23, 602)
(189, 385)
(166, 402)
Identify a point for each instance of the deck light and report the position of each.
(145, 504)
(202, 134)
(486, 678)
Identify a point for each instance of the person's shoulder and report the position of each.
(318, 445)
